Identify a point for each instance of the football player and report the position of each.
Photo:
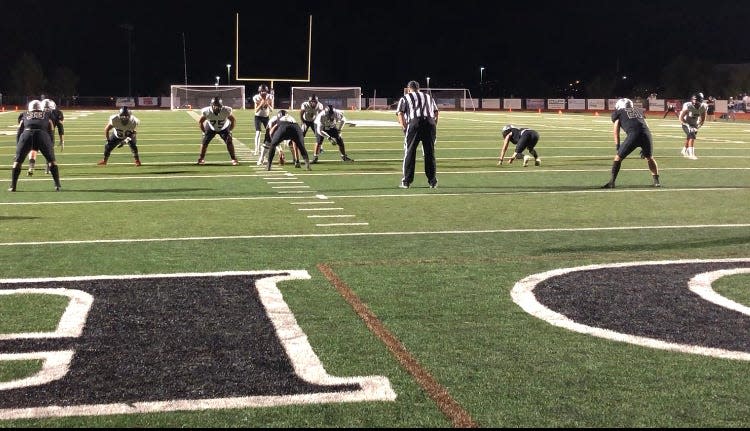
(57, 118)
(121, 130)
(285, 127)
(36, 127)
(523, 139)
(692, 117)
(631, 118)
(328, 124)
(263, 106)
(217, 119)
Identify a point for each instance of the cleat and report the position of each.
(346, 158)
(57, 188)
(315, 159)
(657, 185)
(307, 165)
(526, 161)
(403, 185)
(693, 157)
(200, 162)
(297, 164)
(102, 163)
(30, 172)
(46, 171)
(235, 162)
(137, 163)
(608, 186)
(684, 152)
(538, 162)
(433, 185)
(12, 189)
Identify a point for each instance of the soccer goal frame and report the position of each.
(199, 96)
(451, 98)
(339, 97)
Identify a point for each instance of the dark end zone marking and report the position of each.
(450, 407)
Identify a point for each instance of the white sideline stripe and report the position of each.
(399, 195)
(341, 224)
(290, 187)
(332, 216)
(312, 203)
(363, 234)
(320, 209)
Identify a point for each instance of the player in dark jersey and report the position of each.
(631, 118)
(523, 139)
(286, 128)
(36, 127)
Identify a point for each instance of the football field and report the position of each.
(178, 295)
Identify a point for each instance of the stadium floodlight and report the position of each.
(199, 96)
(452, 98)
(229, 66)
(339, 97)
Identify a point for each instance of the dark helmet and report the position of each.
(216, 105)
(414, 85)
(507, 129)
(697, 98)
(262, 88)
(282, 113)
(313, 99)
(124, 114)
(329, 110)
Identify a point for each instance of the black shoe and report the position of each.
(57, 188)
(315, 159)
(346, 158)
(30, 172)
(12, 189)
(608, 186)
(297, 164)
(433, 184)
(657, 184)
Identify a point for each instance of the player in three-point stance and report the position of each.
(121, 130)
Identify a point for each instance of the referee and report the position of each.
(418, 117)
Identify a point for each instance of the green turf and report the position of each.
(435, 266)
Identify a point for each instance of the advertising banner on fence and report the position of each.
(596, 104)
(555, 103)
(579, 104)
(534, 103)
(512, 104)
(148, 101)
(125, 101)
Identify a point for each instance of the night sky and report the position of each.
(376, 45)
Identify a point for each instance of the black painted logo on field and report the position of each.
(170, 342)
(666, 305)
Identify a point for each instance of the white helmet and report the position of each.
(624, 103)
(36, 105)
(49, 104)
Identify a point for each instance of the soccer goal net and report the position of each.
(199, 96)
(451, 98)
(339, 97)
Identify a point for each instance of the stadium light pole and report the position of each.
(428, 82)
(229, 66)
(129, 28)
(217, 82)
(481, 85)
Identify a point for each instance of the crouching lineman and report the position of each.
(523, 139)
(328, 124)
(36, 126)
(217, 119)
(286, 128)
(121, 130)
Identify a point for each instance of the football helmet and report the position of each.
(124, 114)
(262, 88)
(313, 99)
(216, 105)
(329, 111)
(623, 103)
(697, 99)
(507, 129)
(36, 105)
(281, 113)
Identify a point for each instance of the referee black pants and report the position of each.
(424, 131)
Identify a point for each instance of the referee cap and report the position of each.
(414, 85)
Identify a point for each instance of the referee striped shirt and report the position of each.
(417, 105)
